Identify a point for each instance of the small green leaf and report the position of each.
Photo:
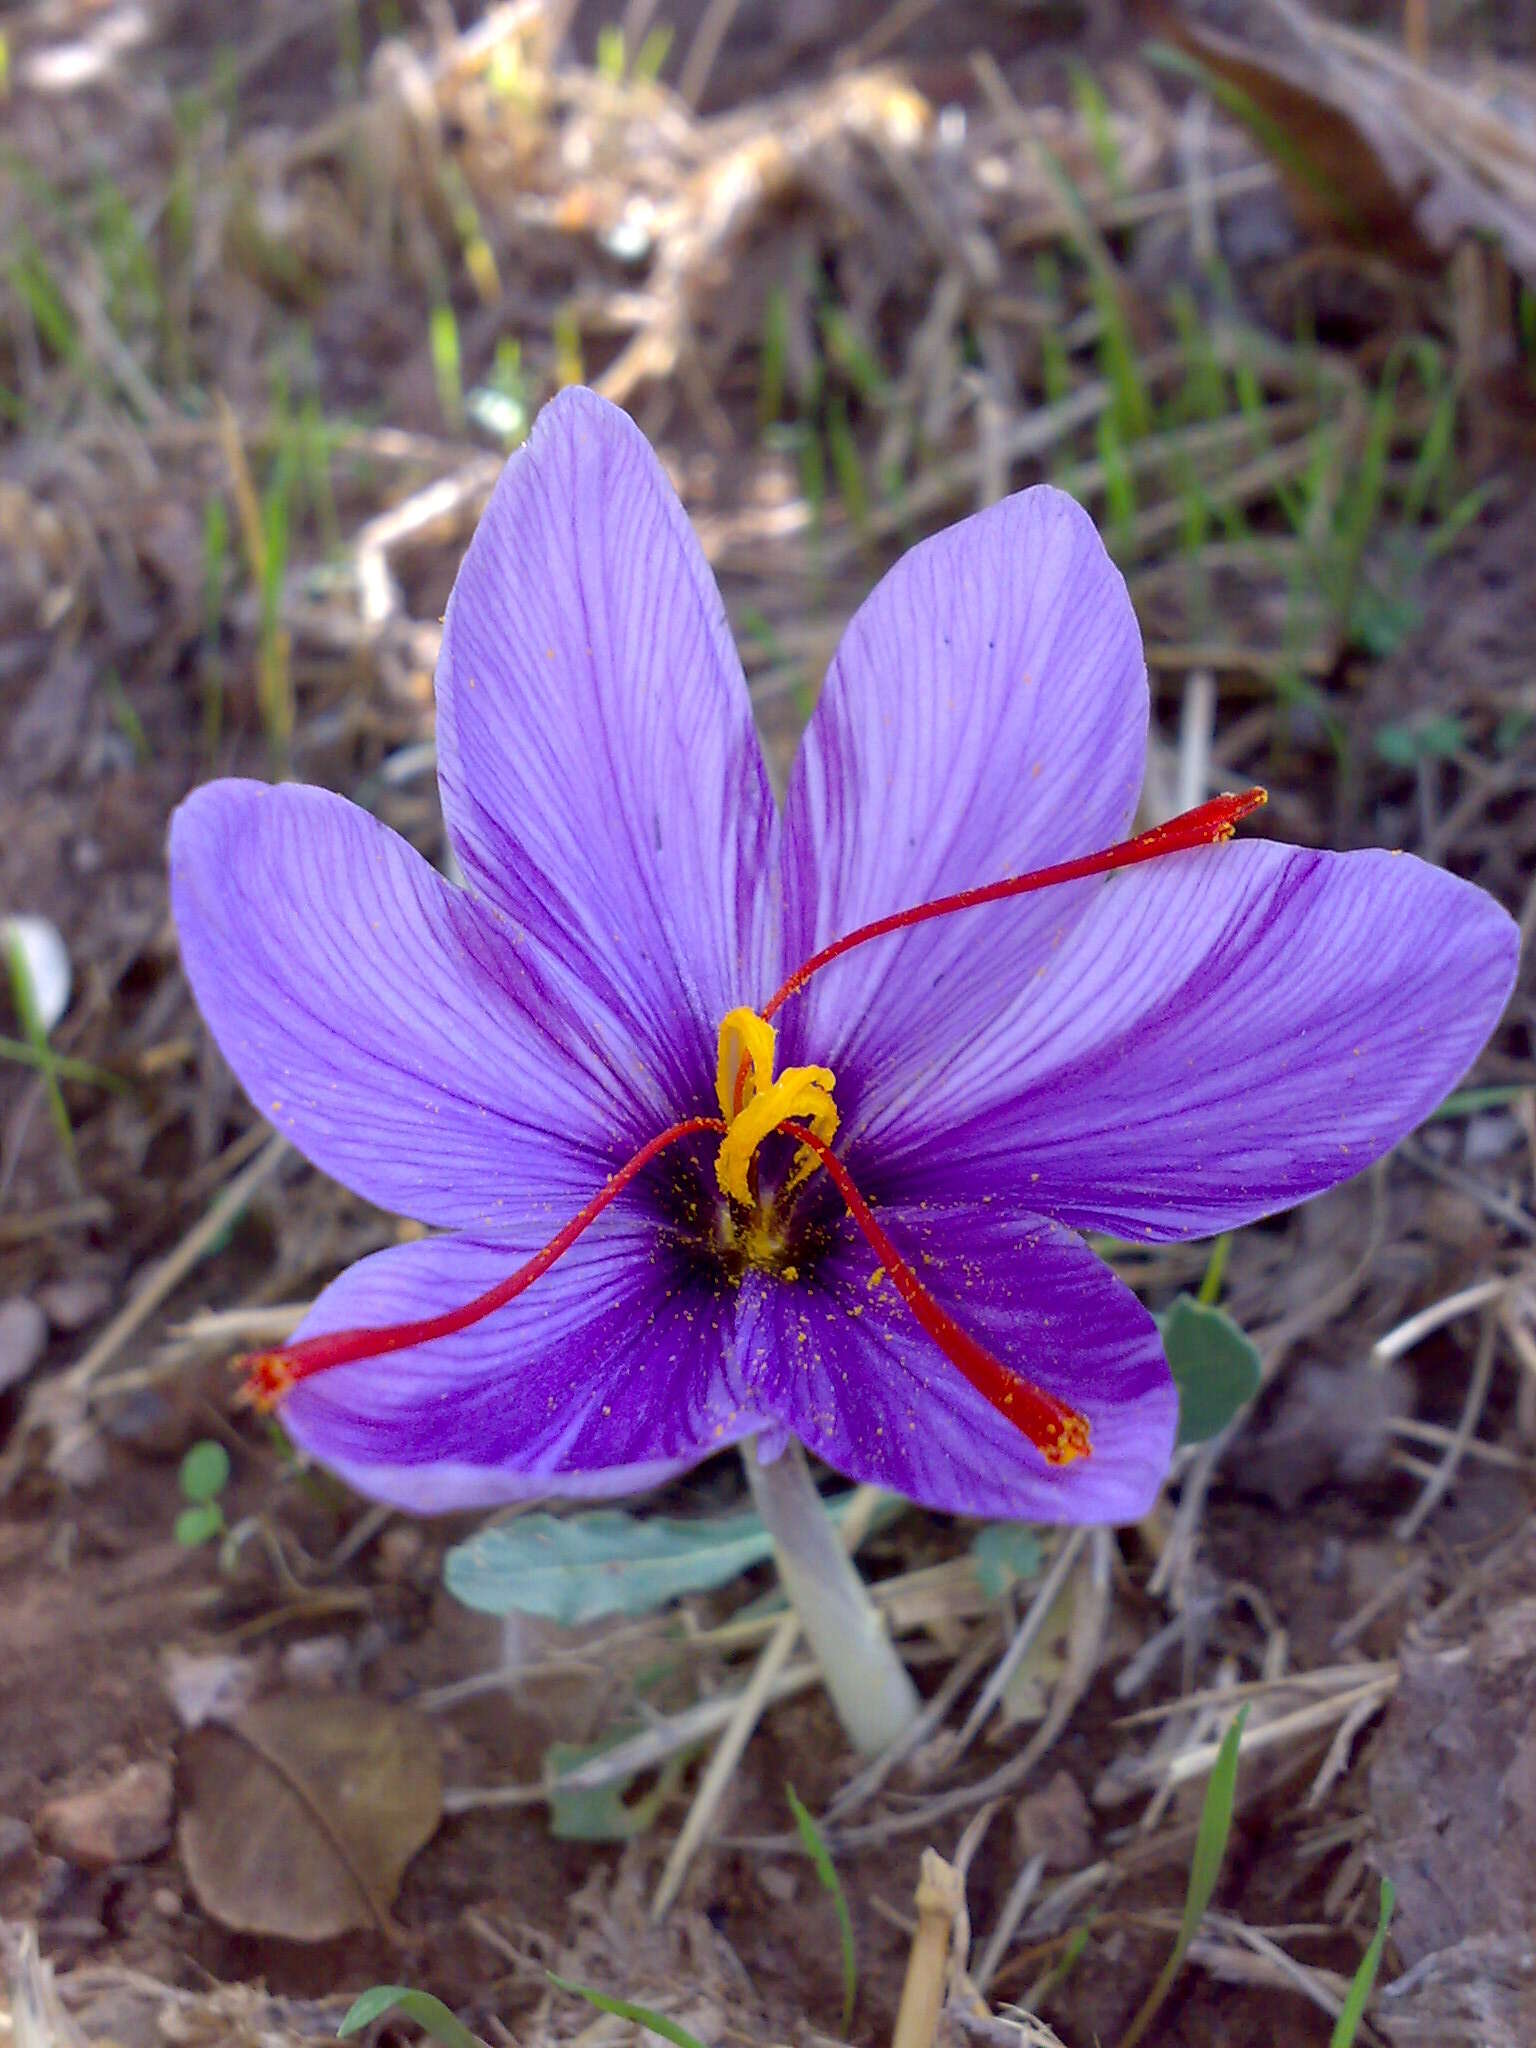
(199, 1523)
(575, 1568)
(603, 1813)
(821, 1858)
(642, 2015)
(1214, 1365)
(421, 2006)
(1004, 1553)
(1431, 739)
(1353, 2009)
(205, 1471)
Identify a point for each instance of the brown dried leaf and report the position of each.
(1405, 158)
(299, 1816)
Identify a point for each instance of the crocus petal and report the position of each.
(602, 779)
(378, 1018)
(609, 1375)
(986, 714)
(844, 1365)
(1228, 1032)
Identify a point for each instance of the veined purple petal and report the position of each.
(609, 1375)
(601, 775)
(381, 1020)
(986, 714)
(844, 1365)
(1228, 1032)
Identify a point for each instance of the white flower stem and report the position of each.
(875, 1699)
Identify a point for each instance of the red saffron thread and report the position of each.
(270, 1374)
(1060, 1432)
(1207, 825)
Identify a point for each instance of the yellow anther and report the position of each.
(746, 1060)
(754, 1104)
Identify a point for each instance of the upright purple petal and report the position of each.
(379, 1019)
(986, 714)
(1227, 1033)
(609, 1375)
(602, 779)
(846, 1368)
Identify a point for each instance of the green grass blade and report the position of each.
(625, 2009)
(98, 1077)
(421, 2006)
(821, 1858)
(1353, 2010)
(1204, 1870)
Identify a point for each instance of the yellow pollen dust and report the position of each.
(1071, 1441)
(754, 1104)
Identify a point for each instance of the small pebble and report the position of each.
(126, 1820)
(1056, 1823)
(15, 1840)
(318, 1664)
(146, 1421)
(207, 1685)
(399, 1552)
(70, 1304)
(23, 1338)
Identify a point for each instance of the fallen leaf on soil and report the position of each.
(299, 1816)
(1404, 158)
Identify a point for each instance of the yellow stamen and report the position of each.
(754, 1104)
(746, 1060)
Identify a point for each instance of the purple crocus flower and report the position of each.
(1195, 1042)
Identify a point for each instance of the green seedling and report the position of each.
(215, 587)
(447, 366)
(1353, 2010)
(125, 716)
(625, 2009)
(203, 1477)
(30, 277)
(651, 56)
(821, 1861)
(1094, 110)
(1204, 1870)
(428, 2012)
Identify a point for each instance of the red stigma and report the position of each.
(1207, 825)
(271, 1374)
(1058, 1431)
